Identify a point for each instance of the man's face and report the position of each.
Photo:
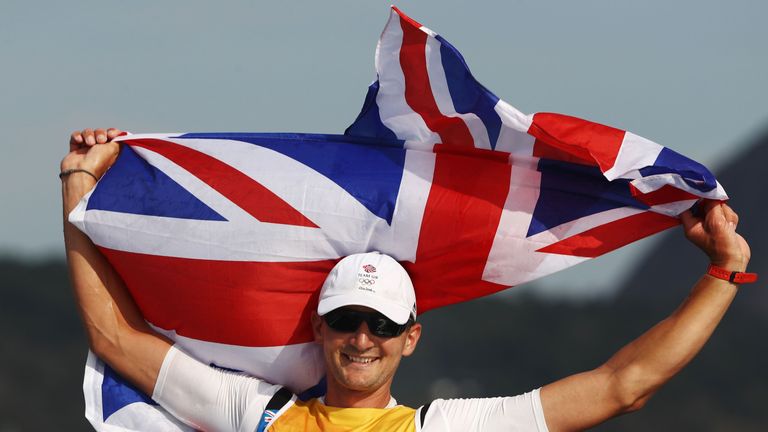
(361, 361)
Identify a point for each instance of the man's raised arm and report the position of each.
(632, 375)
(116, 331)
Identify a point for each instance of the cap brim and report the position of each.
(391, 310)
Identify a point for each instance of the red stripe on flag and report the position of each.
(545, 151)
(605, 238)
(581, 140)
(238, 303)
(248, 194)
(412, 21)
(665, 194)
(418, 91)
(460, 220)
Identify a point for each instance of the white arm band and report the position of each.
(517, 413)
(208, 398)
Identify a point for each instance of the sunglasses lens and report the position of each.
(343, 321)
(348, 320)
(384, 327)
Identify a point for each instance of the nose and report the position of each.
(362, 338)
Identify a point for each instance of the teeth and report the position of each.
(363, 360)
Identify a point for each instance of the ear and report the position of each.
(412, 336)
(317, 327)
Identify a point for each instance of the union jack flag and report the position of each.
(224, 239)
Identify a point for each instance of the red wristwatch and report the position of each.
(731, 276)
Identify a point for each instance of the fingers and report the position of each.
(88, 137)
(92, 137)
(113, 133)
(713, 214)
(714, 217)
(730, 215)
(707, 205)
(689, 220)
(714, 220)
(76, 139)
(100, 135)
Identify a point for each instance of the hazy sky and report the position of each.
(691, 75)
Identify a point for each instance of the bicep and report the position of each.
(581, 401)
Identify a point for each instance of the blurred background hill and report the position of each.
(495, 346)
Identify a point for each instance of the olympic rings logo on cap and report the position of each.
(366, 281)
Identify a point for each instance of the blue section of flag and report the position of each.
(134, 186)
(693, 173)
(468, 95)
(368, 123)
(116, 393)
(572, 191)
(369, 170)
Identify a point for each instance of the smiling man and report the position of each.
(365, 324)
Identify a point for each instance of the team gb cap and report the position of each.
(373, 280)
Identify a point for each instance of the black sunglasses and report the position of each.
(348, 320)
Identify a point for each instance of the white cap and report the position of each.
(373, 280)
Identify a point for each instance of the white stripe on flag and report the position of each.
(401, 239)
(635, 152)
(656, 182)
(568, 229)
(512, 256)
(195, 239)
(673, 208)
(514, 260)
(442, 94)
(393, 109)
(514, 137)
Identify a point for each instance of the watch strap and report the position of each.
(731, 276)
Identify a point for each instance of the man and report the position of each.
(364, 333)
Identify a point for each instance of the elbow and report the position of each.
(635, 404)
(106, 341)
(101, 344)
(631, 389)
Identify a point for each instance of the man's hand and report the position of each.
(715, 234)
(92, 150)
